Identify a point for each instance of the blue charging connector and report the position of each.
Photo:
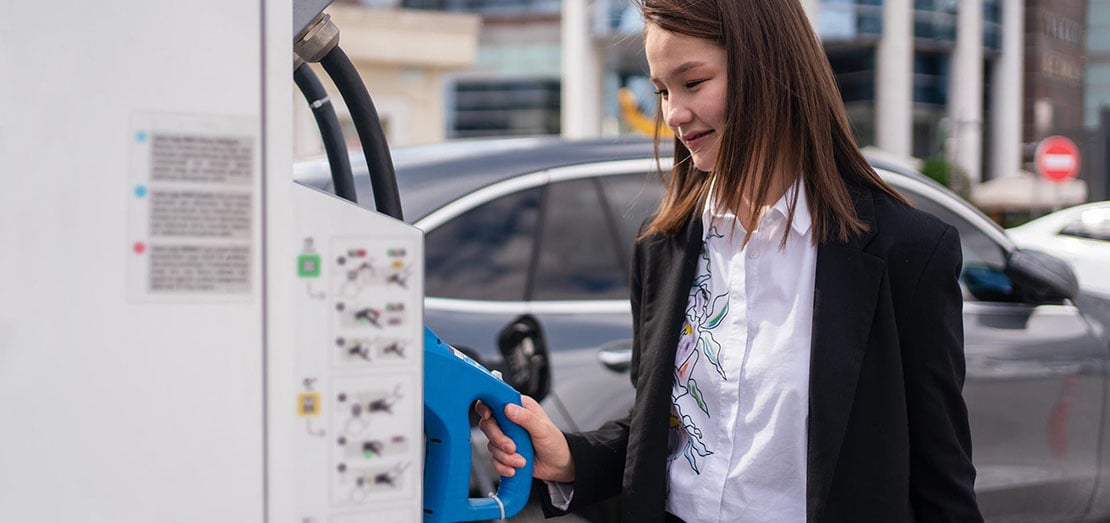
(452, 381)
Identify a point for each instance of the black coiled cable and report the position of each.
(332, 134)
(375, 148)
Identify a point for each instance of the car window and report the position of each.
(1093, 224)
(983, 277)
(632, 198)
(578, 257)
(485, 252)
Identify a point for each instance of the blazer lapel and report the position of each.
(673, 281)
(846, 286)
(672, 262)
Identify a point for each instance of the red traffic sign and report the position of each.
(1057, 158)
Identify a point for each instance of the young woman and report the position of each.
(798, 341)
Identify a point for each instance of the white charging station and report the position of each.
(185, 335)
(359, 316)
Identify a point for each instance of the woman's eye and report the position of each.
(694, 83)
(661, 92)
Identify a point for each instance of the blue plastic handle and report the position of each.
(452, 382)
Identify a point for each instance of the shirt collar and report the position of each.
(802, 218)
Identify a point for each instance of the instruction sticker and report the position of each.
(193, 207)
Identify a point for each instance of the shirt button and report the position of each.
(754, 255)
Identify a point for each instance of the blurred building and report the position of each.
(513, 87)
(915, 84)
(973, 81)
(931, 78)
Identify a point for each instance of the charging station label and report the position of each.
(193, 213)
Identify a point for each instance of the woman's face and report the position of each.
(691, 77)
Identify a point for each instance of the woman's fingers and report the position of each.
(531, 404)
(510, 459)
(531, 416)
(493, 433)
(552, 455)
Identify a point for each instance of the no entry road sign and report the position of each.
(1057, 158)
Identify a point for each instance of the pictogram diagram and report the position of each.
(373, 304)
(367, 350)
(361, 409)
(355, 315)
(360, 271)
(357, 484)
(371, 450)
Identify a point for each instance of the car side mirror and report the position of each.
(1041, 278)
(524, 348)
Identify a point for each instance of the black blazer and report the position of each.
(888, 432)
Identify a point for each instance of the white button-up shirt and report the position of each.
(741, 377)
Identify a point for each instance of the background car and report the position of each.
(1080, 235)
(545, 227)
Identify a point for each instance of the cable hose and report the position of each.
(330, 131)
(375, 148)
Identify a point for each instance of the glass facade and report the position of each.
(992, 25)
(934, 22)
(853, 59)
(855, 73)
(1097, 92)
(930, 78)
(850, 19)
(851, 30)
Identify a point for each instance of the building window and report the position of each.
(850, 19)
(934, 21)
(992, 25)
(506, 107)
(855, 73)
(930, 78)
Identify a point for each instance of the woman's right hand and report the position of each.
(552, 454)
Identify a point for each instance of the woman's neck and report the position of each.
(777, 189)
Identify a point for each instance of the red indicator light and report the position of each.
(139, 247)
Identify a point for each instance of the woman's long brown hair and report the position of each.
(785, 116)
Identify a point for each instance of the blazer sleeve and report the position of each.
(599, 455)
(942, 477)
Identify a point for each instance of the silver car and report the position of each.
(545, 227)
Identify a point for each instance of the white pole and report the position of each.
(966, 103)
(581, 74)
(894, 80)
(1007, 91)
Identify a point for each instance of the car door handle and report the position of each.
(617, 356)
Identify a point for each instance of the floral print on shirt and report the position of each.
(703, 314)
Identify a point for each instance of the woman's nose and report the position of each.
(674, 115)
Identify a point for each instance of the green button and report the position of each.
(308, 265)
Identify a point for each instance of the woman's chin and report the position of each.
(704, 157)
(703, 164)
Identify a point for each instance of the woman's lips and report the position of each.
(696, 139)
